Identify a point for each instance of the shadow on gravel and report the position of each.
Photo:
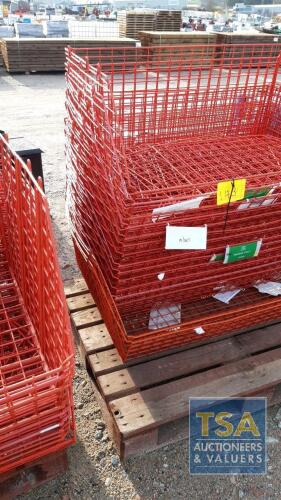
(79, 482)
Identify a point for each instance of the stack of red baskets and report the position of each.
(149, 140)
(36, 351)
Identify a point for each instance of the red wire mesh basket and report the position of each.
(36, 350)
(197, 322)
(150, 134)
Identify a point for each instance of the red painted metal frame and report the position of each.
(130, 331)
(36, 349)
(151, 127)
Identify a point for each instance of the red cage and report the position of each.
(36, 350)
(201, 320)
(150, 133)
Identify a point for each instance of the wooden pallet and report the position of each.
(145, 404)
(168, 20)
(132, 22)
(24, 479)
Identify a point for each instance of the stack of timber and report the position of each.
(167, 20)
(31, 54)
(5, 32)
(131, 22)
(149, 38)
(185, 45)
(246, 38)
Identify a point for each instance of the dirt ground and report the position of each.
(33, 106)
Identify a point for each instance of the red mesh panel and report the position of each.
(36, 351)
(152, 127)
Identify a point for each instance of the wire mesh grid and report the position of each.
(20, 356)
(180, 82)
(36, 352)
(96, 29)
(199, 321)
(196, 164)
(148, 129)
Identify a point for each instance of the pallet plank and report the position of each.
(105, 361)
(80, 302)
(75, 287)
(128, 380)
(133, 378)
(85, 318)
(168, 402)
(95, 338)
(261, 339)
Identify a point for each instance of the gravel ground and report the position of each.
(33, 106)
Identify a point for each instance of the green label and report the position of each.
(217, 257)
(241, 252)
(256, 193)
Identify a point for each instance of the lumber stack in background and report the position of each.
(159, 44)
(167, 20)
(247, 37)
(131, 22)
(32, 54)
(150, 38)
(242, 40)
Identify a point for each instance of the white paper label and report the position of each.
(162, 212)
(165, 316)
(199, 330)
(186, 238)
(226, 296)
(270, 287)
(161, 276)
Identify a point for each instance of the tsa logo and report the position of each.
(227, 436)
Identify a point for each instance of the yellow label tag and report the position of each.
(228, 191)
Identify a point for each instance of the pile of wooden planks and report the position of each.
(242, 40)
(184, 45)
(145, 402)
(252, 46)
(247, 37)
(33, 54)
(149, 38)
(131, 22)
(167, 20)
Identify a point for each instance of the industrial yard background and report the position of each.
(33, 107)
